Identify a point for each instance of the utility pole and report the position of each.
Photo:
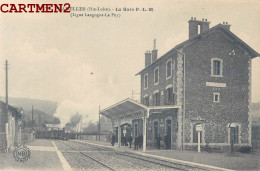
(99, 126)
(6, 87)
(133, 93)
(32, 117)
(6, 82)
(80, 126)
(6, 101)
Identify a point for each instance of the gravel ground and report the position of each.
(40, 142)
(111, 158)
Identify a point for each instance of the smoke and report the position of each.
(68, 111)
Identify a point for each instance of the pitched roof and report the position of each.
(251, 51)
(18, 111)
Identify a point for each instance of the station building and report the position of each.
(10, 126)
(204, 80)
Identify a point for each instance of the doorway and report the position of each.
(156, 130)
(168, 133)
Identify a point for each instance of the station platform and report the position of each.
(220, 161)
(44, 156)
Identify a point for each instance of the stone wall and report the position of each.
(233, 105)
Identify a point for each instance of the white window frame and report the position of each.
(169, 60)
(212, 67)
(144, 81)
(157, 68)
(239, 133)
(216, 94)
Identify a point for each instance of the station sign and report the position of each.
(199, 127)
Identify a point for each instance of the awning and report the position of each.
(126, 106)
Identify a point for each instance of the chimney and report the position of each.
(148, 59)
(226, 25)
(154, 51)
(196, 26)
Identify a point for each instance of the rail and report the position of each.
(103, 164)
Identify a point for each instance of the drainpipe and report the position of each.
(183, 116)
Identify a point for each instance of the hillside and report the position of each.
(47, 107)
(43, 111)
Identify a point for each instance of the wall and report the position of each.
(199, 97)
(163, 82)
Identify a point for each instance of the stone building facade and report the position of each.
(209, 77)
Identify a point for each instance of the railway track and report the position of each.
(179, 167)
(75, 161)
(92, 158)
(164, 165)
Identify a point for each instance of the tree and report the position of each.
(56, 120)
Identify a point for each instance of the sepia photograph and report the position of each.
(130, 85)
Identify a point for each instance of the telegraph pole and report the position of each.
(133, 93)
(6, 101)
(32, 117)
(80, 126)
(6, 91)
(6, 82)
(99, 126)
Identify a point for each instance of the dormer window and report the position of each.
(156, 75)
(216, 67)
(169, 69)
(146, 81)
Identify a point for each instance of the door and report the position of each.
(156, 130)
(169, 133)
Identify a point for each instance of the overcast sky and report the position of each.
(86, 62)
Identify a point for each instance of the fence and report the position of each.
(27, 137)
(2, 140)
(106, 138)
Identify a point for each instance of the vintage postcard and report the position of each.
(129, 85)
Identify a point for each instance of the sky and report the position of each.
(84, 62)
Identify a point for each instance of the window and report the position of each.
(234, 134)
(146, 100)
(169, 96)
(156, 98)
(156, 75)
(169, 68)
(216, 67)
(146, 81)
(216, 97)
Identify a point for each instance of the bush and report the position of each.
(245, 149)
